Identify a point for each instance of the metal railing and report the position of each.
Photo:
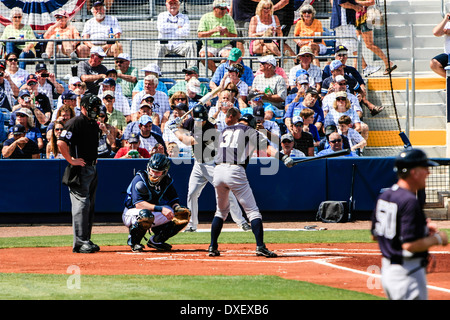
(131, 46)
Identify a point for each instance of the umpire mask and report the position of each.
(92, 104)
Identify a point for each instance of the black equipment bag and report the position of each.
(332, 211)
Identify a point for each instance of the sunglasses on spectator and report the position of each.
(336, 141)
(102, 116)
(13, 60)
(17, 17)
(221, 8)
(307, 11)
(109, 98)
(59, 129)
(341, 99)
(32, 83)
(120, 61)
(77, 85)
(342, 55)
(180, 99)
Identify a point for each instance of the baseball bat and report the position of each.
(203, 100)
(330, 155)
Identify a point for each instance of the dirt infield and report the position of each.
(348, 266)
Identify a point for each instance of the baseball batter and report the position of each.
(202, 135)
(404, 234)
(236, 145)
(152, 203)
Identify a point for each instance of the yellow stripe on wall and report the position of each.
(417, 138)
(383, 84)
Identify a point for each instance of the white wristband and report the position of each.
(439, 238)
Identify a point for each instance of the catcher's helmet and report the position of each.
(157, 167)
(250, 119)
(412, 158)
(199, 113)
(92, 103)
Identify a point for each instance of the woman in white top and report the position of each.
(265, 24)
(341, 107)
(18, 75)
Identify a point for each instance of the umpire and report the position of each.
(404, 234)
(78, 144)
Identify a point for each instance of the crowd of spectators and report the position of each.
(294, 107)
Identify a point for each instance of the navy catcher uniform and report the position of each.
(149, 204)
(403, 233)
(236, 145)
(199, 132)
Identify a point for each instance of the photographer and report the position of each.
(47, 82)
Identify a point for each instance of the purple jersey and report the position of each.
(398, 218)
(238, 143)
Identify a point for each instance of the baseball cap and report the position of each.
(300, 72)
(312, 91)
(98, 3)
(339, 78)
(412, 158)
(330, 129)
(61, 13)
(287, 136)
(145, 97)
(123, 56)
(305, 50)
(18, 129)
(41, 66)
(235, 54)
(181, 106)
(32, 78)
(303, 78)
(335, 64)
(134, 138)
(98, 51)
(191, 69)
(152, 67)
(341, 94)
(297, 119)
(254, 95)
(109, 82)
(108, 93)
(268, 59)
(74, 80)
(145, 119)
(68, 95)
(23, 93)
(341, 49)
(25, 111)
(220, 4)
(258, 112)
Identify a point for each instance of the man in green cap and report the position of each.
(189, 73)
(235, 56)
(216, 24)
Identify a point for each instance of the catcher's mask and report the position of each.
(157, 167)
(92, 104)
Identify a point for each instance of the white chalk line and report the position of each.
(289, 253)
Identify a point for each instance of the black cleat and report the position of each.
(161, 246)
(213, 252)
(263, 251)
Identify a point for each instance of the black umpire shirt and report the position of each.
(82, 136)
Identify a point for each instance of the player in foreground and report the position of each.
(152, 203)
(403, 232)
(236, 145)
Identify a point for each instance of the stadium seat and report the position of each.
(168, 82)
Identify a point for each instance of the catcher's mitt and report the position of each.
(182, 215)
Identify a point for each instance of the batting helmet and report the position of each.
(199, 113)
(412, 158)
(157, 163)
(250, 119)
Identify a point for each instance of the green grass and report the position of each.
(150, 287)
(119, 239)
(137, 287)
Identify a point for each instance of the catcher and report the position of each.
(152, 204)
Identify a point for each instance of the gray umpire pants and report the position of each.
(83, 203)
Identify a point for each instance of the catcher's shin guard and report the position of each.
(143, 223)
(167, 230)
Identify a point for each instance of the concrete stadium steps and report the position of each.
(427, 116)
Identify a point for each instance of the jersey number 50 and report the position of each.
(386, 214)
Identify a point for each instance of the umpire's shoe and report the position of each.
(137, 247)
(263, 251)
(85, 248)
(213, 252)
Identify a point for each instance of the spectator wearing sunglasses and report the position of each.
(303, 141)
(52, 146)
(127, 76)
(17, 75)
(7, 89)
(115, 117)
(47, 83)
(335, 141)
(341, 107)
